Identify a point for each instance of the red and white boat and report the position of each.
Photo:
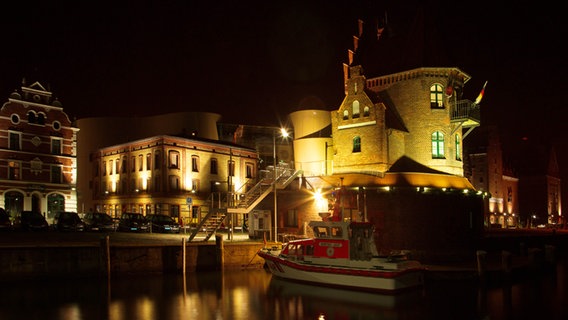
(343, 254)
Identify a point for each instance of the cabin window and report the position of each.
(292, 249)
(336, 232)
(320, 231)
(310, 250)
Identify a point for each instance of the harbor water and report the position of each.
(255, 294)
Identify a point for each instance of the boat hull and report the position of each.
(351, 278)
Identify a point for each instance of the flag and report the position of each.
(238, 133)
(480, 96)
(451, 83)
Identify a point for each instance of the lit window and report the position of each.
(174, 183)
(458, 148)
(174, 159)
(437, 145)
(195, 163)
(249, 168)
(14, 170)
(355, 109)
(366, 112)
(357, 144)
(436, 96)
(345, 115)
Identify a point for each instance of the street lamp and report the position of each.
(284, 134)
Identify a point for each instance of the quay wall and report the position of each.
(52, 261)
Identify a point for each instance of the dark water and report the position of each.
(254, 294)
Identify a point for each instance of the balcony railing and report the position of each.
(465, 112)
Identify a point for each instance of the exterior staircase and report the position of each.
(243, 203)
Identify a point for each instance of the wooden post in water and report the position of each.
(183, 258)
(105, 247)
(506, 264)
(219, 250)
(481, 264)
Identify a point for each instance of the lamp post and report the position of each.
(284, 134)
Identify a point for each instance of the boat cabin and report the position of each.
(334, 240)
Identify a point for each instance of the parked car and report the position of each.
(163, 223)
(5, 222)
(133, 222)
(99, 221)
(32, 221)
(68, 221)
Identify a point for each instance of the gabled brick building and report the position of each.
(38, 154)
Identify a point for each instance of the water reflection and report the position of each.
(254, 294)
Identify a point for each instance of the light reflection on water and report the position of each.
(254, 294)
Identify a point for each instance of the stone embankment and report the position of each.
(499, 256)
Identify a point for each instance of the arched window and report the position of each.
(458, 147)
(357, 144)
(13, 203)
(41, 118)
(31, 117)
(436, 96)
(437, 145)
(55, 203)
(366, 112)
(345, 114)
(355, 109)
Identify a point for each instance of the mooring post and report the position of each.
(183, 258)
(506, 264)
(105, 248)
(219, 250)
(481, 264)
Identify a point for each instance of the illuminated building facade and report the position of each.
(101, 132)
(489, 172)
(175, 175)
(392, 153)
(539, 183)
(38, 157)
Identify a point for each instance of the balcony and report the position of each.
(465, 114)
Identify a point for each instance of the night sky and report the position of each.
(256, 61)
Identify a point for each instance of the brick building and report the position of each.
(38, 157)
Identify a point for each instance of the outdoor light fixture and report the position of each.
(283, 134)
